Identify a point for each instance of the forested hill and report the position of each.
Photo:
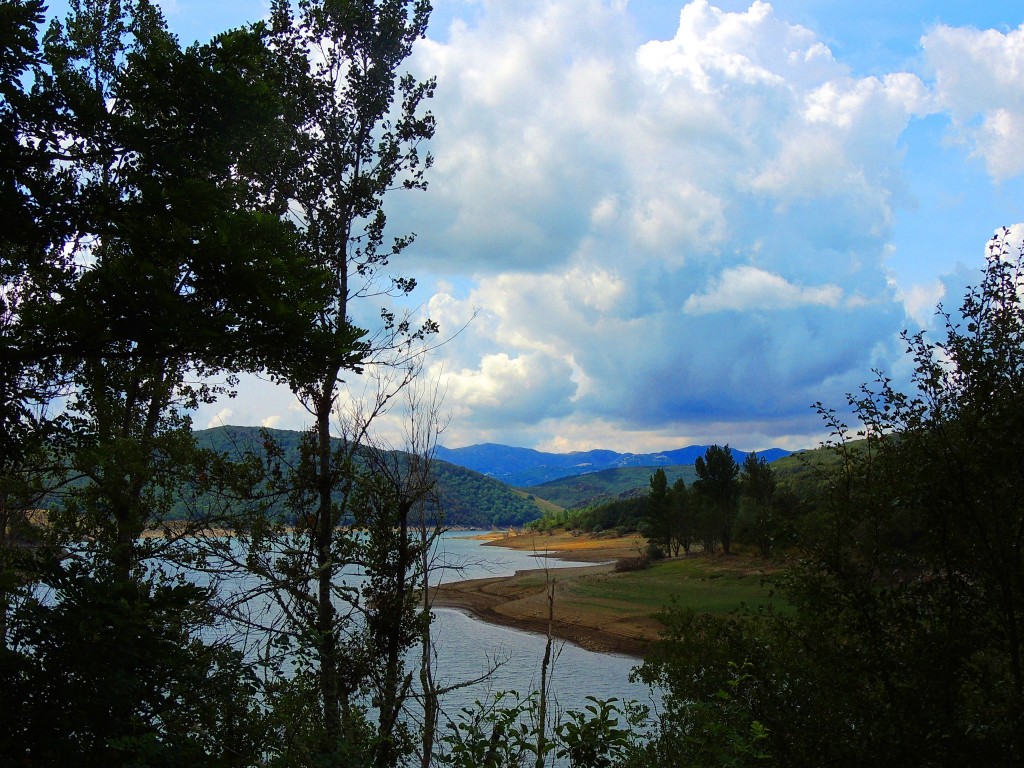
(579, 491)
(524, 467)
(468, 498)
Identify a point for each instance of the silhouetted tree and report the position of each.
(718, 487)
(757, 483)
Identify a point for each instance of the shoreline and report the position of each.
(520, 601)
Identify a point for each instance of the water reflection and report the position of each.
(468, 647)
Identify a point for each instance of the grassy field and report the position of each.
(600, 608)
(718, 585)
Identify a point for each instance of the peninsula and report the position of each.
(603, 607)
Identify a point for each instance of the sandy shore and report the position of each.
(520, 601)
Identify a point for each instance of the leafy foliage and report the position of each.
(904, 643)
(151, 249)
(502, 733)
(107, 672)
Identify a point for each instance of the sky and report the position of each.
(664, 223)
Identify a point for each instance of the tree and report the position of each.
(361, 130)
(902, 643)
(145, 253)
(27, 385)
(656, 518)
(667, 515)
(951, 453)
(718, 487)
(682, 517)
(172, 265)
(399, 513)
(758, 486)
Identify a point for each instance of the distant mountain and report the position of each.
(524, 467)
(468, 498)
(580, 491)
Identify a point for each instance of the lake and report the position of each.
(466, 648)
(466, 645)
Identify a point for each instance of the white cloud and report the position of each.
(220, 419)
(979, 80)
(742, 289)
(681, 240)
(512, 391)
(1014, 236)
(613, 201)
(717, 51)
(920, 302)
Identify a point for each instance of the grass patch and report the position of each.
(707, 586)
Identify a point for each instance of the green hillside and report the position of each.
(467, 498)
(585, 490)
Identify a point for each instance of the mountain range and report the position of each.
(474, 482)
(525, 467)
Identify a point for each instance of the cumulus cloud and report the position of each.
(677, 240)
(745, 288)
(664, 236)
(978, 76)
(219, 419)
(522, 109)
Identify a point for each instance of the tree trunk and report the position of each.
(327, 640)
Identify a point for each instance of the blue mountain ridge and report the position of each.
(524, 467)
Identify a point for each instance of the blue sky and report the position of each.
(687, 222)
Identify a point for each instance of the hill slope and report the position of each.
(468, 499)
(582, 491)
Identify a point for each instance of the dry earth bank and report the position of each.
(594, 606)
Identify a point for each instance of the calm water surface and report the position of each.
(467, 647)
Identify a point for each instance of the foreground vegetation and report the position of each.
(175, 217)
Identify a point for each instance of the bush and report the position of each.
(640, 563)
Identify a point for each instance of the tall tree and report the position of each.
(666, 514)
(656, 516)
(717, 484)
(757, 484)
(682, 517)
(176, 264)
(146, 254)
(362, 124)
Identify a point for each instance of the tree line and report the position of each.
(675, 519)
(726, 502)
